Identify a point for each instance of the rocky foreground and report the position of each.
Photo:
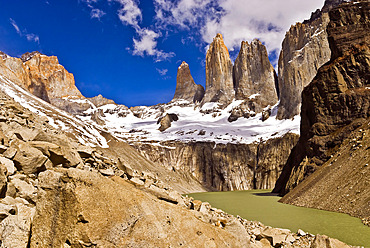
(56, 192)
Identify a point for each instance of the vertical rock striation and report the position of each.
(304, 50)
(219, 68)
(224, 167)
(186, 88)
(337, 101)
(254, 75)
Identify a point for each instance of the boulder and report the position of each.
(323, 241)
(15, 229)
(165, 121)
(9, 165)
(29, 159)
(3, 180)
(58, 155)
(81, 208)
(24, 189)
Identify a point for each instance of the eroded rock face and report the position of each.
(304, 50)
(67, 213)
(186, 88)
(341, 184)
(219, 79)
(254, 75)
(337, 101)
(225, 167)
(99, 101)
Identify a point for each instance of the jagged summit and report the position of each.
(28, 55)
(254, 74)
(219, 81)
(41, 75)
(186, 89)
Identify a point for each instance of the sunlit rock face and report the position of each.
(254, 75)
(219, 69)
(304, 50)
(186, 89)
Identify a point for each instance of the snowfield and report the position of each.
(207, 123)
(196, 123)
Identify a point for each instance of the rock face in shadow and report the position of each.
(337, 101)
(341, 184)
(304, 50)
(224, 167)
(219, 69)
(186, 89)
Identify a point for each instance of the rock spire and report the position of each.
(254, 74)
(186, 88)
(219, 81)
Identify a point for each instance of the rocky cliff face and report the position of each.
(342, 182)
(43, 76)
(186, 89)
(219, 68)
(224, 167)
(337, 101)
(304, 50)
(255, 76)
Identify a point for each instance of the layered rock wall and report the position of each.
(337, 101)
(304, 50)
(225, 167)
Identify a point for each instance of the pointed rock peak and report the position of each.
(3, 55)
(183, 64)
(219, 36)
(186, 88)
(219, 82)
(219, 41)
(27, 56)
(100, 100)
(254, 75)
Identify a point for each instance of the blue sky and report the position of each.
(129, 50)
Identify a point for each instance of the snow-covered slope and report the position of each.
(87, 133)
(195, 123)
(140, 124)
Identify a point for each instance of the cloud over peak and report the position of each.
(23, 33)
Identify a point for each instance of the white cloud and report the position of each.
(237, 20)
(14, 24)
(130, 13)
(97, 13)
(33, 37)
(147, 45)
(162, 72)
(24, 33)
(184, 13)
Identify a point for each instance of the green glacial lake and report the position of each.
(262, 206)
